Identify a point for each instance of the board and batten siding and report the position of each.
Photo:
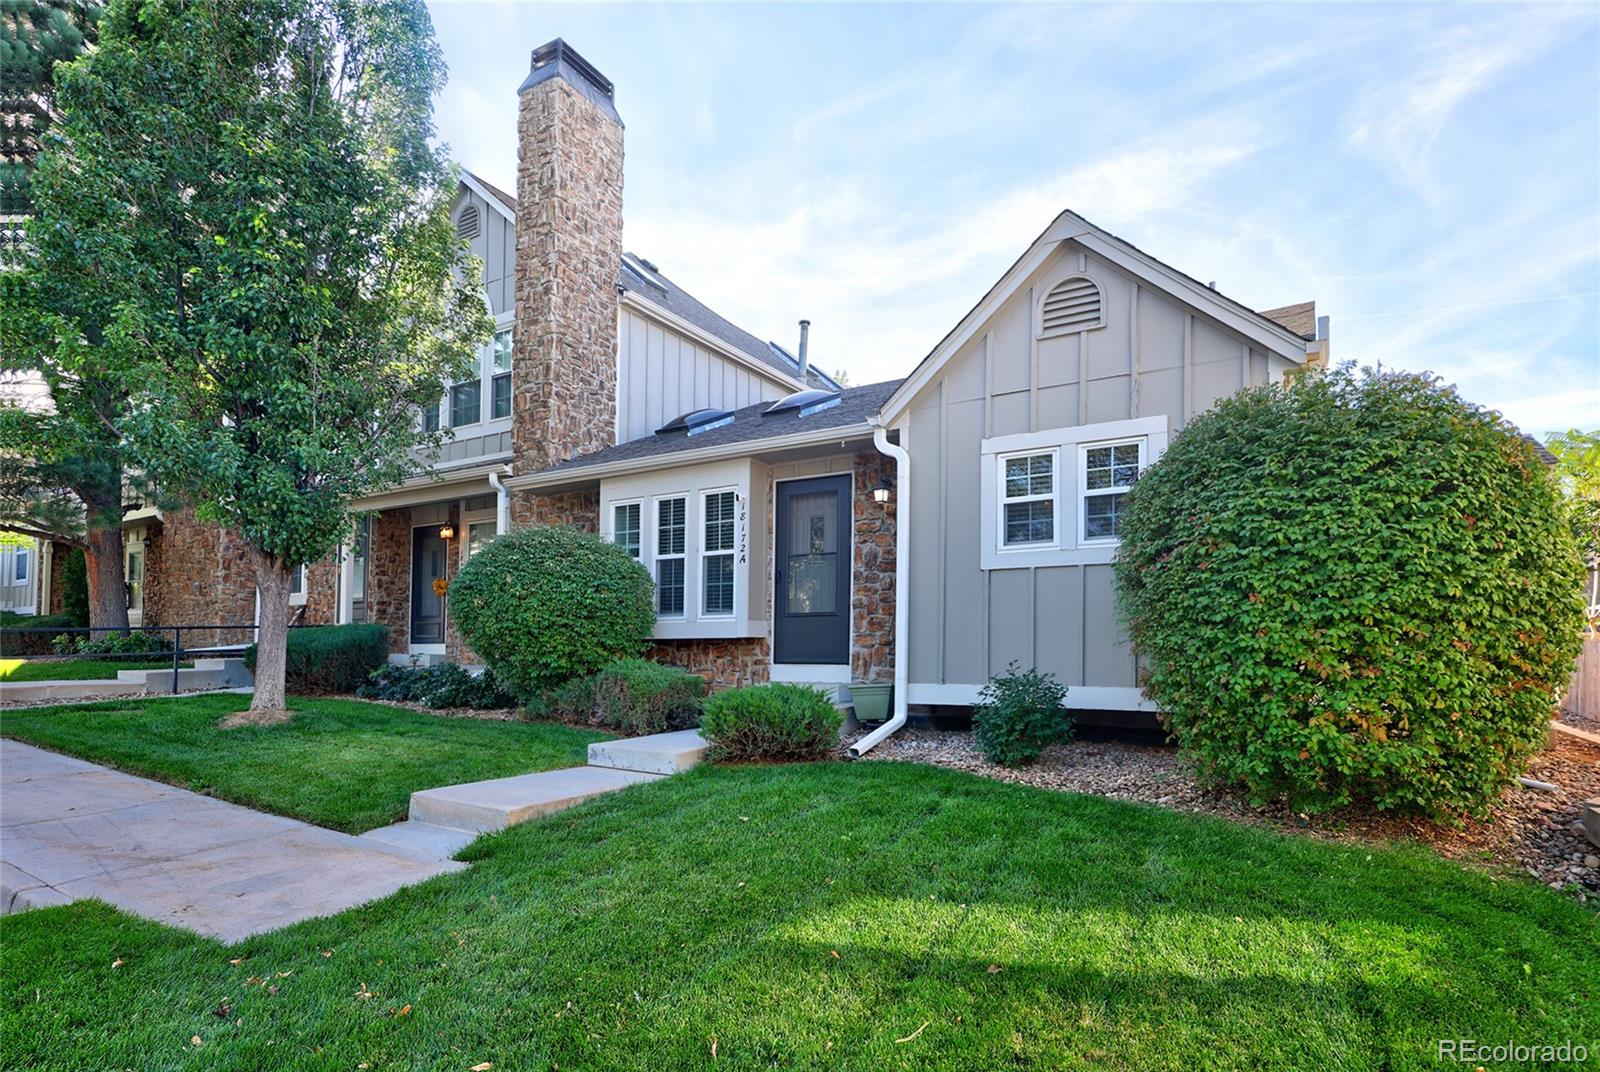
(1154, 357)
(662, 374)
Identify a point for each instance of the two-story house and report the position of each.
(927, 530)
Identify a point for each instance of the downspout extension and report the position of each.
(502, 503)
(902, 585)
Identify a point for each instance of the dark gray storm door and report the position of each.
(812, 571)
(427, 564)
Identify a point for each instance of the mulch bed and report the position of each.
(1529, 830)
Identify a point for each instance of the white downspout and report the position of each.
(502, 504)
(902, 586)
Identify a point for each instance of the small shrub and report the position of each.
(1019, 715)
(131, 643)
(74, 584)
(330, 658)
(632, 696)
(545, 604)
(1360, 588)
(445, 685)
(776, 721)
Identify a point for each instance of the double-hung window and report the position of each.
(480, 534)
(297, 585)
(716, 553)
(1029, 492)
(1107, 472)
(19, 567)
(500, 372)
(466, 403)
(625, 528)
(671, 531)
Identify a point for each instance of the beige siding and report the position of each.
(1154, 356)
(662, 373)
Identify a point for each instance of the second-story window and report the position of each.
(487, 394)
(500, 382)
(466, 403)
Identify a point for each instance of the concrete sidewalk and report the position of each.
(71, 829)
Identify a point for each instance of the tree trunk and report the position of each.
(272, 638)
(108, 590)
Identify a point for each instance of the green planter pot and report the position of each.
(871, 701)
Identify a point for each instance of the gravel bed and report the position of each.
(1540, 833)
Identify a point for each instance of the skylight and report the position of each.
(807, 402)
(696, 421)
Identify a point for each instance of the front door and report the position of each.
(812, 574)
(427, 566)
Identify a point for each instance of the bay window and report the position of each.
(625, 528)
(671, 545)
(716, 553)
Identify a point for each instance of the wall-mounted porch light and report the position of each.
(446, 532)
(880, 494)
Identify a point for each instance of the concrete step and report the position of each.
(39, 691)
(1591, 820)
(205, 674)
(423, 839)
(503, 802)
(659, 753)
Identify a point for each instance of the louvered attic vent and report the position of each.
(1072, 305)
(467, 225)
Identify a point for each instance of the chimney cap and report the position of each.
(557, 59)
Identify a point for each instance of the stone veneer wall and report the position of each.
(198, 573)
(569, 247)
(389, 575)
(724, 664)
(873, 573)
(580, 509)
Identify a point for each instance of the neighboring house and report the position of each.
(764, 499)
(24, 574)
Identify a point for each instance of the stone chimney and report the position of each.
(569, 249)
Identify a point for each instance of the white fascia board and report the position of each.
(844, 435)
(677, 323)
(471, 183)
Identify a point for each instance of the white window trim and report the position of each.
(24, 555)
(1001, 501)
(1069, 548)
(656, 557)
(298, 599)
(485, 424)
(732, 552)
(1084, 494)
(610, 535)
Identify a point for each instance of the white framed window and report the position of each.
(486, 395)
(479, 533)
(1030, 499)
(1054, 497)
(627, 528)
(500, 375)
(19, 566)
(671, 548)
(1106, 472)
(718, 513)
(297, 585)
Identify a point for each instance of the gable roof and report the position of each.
(638, 276)
(1259, 328)
(1300, 318)
(748, 430)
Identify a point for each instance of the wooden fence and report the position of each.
(1583, 691)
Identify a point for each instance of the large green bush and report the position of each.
(443, 685)
(632, 696)
(776, 721)
(1019, 715)
(1359, 588)
(545, 604)
(330, 658)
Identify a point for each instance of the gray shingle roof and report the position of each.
(856, 404)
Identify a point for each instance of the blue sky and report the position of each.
(1429, 174)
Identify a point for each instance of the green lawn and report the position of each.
(865, 916)
(339, 763)
(75, 669)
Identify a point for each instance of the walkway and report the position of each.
(71, 830)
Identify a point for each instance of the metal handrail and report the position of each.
(178, 650)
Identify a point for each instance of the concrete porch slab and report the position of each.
(502, 802)
(659, 753)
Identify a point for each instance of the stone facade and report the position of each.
(725, 664)
(389, 575)
(873, 572)
(580, 509)
(197, 573)
(569, 244)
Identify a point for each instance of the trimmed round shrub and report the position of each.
(330, 658)
(776, 721)
(632, 696)
(1019, 714)
(1357, 588)
(544, 604)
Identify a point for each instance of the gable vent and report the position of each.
(1072, 305)
(467, 224)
